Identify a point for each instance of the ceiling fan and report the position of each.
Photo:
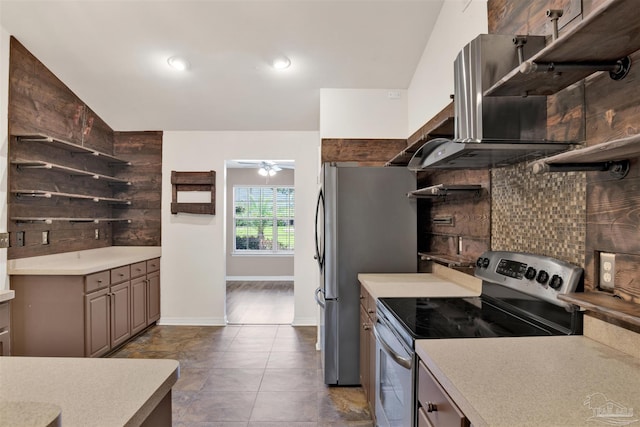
(267, 167)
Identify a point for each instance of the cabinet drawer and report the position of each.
(423, 421)
(96, 281)
(153, 265)
(4, 316)
(438, 408)
(120, 274)
(138, 269)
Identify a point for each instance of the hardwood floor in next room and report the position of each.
(249, 376)
(260, 302)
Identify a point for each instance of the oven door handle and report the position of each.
(402, 361)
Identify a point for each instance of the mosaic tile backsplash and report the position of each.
(543, 214)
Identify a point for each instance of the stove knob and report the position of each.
(485, 263)
(530, 273)
(542, 278)
(479, 262)
(556, 281)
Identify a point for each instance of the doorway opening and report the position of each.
(260, 241)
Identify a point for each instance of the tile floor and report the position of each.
(251, 376)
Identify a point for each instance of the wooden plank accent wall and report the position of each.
(144, 151)
(39, 103)
(367, 152)
(599, 110)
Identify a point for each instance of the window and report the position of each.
(263, 219)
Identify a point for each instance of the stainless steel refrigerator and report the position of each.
(365, 223)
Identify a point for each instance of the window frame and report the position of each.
(274, 218)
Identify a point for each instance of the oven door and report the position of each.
(394, 379)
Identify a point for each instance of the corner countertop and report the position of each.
(82, 262)
(89, 392)
(536, 381)
(6, 295)
(443, 282)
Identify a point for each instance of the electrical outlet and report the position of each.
(45, 237)
(4, 240)
(96, 233)
(607, 271)
(19, 238)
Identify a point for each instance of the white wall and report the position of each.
(363, 113)
(4, 144)
(193, 246)
(459, 22)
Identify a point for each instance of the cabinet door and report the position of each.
(97, 323)
(120, 313)
(138, 305)
(153, 297)
(364, 352)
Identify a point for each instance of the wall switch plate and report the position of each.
(45, 237)
(4, 240)
(19, 238)
(607, 271)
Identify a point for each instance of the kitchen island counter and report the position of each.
(442, 282)
(92, 392)
(545, 381)
(82, 262)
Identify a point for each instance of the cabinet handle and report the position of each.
(432, 407)
(371, 311)
(99, 281)
(121, 274)
(366, 326)
(361, 296)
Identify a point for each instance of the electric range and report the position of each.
(519, 298)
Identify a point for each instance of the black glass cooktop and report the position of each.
(459, 318)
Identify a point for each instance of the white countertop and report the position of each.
(443, 282)
(89, 392)
(82, 262)
(535, 381)
(6, 295)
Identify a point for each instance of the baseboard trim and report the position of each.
(259, 278)
(192, 321)
(304, 321)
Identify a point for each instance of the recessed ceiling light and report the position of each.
(178, 63)
(281, 62)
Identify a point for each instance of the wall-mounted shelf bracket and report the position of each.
(611, 156)
(618, 69)
(617, 169)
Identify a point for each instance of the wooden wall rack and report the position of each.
(193, 181)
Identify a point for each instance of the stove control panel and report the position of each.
(537, 275)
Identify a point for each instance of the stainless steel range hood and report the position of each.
(490, 131)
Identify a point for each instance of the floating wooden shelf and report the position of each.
(611, 156)
(49, 194)
(443, 190)
(51, 220)
(608, 34)
(449, 260)
(36, 164)
(440, 126)
(71, 147)
(193, 181)
(606, 304)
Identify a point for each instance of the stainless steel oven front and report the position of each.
(395, 367)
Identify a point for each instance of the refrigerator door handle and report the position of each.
(317, 297)
(319, 256)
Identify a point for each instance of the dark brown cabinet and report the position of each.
(368, 347)
(435, 407)
(5, 339)
(92, 314)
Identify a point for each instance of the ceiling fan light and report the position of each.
(178, 63)
(262, 171)
(281, 63)
(272, 172)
